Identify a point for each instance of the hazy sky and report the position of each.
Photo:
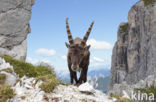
(46, 42)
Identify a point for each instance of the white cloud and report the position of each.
(95, 64)
(64, 57)
(46, 61)
(46, 52)
(99, 65)
(98, 59)
(99, 62)
(99, 44)
(35, 61)
(32, 61)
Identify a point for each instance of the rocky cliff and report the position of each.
(26, 86)
(14, 27)
(134, 54)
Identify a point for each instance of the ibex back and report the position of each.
(78, 55)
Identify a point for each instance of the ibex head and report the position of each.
(77, 48)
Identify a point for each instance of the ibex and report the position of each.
(78, 55)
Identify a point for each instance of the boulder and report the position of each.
(8, 71)
(14, 27)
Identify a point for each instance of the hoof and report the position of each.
(77, 84)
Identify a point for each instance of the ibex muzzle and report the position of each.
(78, 55)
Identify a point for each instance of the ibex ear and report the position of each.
(87, 47)
(67, 45)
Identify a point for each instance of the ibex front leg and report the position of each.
(83, 76)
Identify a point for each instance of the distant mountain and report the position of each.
(99, 79)
(100, 83)
(64, 75)
(99, 72)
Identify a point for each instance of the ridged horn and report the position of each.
(70, 38)
(87, 35)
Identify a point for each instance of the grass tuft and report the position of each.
(40, 72)
(115, 96)
(8, 70)
(148, 90)
(2, 78)
(149, 2)
(49, 82)
(119, 98)
(124, 28)
(5, 93)
(123, 100)
(22, 68)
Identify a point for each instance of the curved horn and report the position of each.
(70, 38)
(87, 34)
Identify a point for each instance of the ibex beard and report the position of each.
(78, 55)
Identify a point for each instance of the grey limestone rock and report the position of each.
(134, 54)
(14, 27)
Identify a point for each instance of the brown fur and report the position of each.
(78, 56)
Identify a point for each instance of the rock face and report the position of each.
(14, 27)
(10, 76)
(120, 88)
(134, 54)
(27, 89)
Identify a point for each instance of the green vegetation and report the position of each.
(17, 80)
(119, 98)
(23, 97)
(5, 93)
(124, 28)
(7, 70)
(21, 68)
(5, 90)
(2, 78)
(123, 100)
(39, 72)
(148, 90)
(149, 2)
(115, 96)
(49, 82)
